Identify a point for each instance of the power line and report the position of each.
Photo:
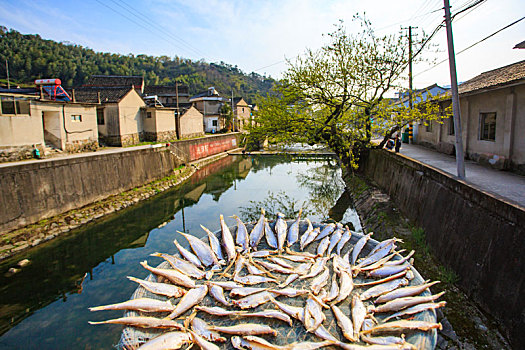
(471, 46)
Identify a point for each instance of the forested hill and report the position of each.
(31, 57)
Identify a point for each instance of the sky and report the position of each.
(260, 35)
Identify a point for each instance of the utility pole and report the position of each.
(7, 70)
(410, 103)
(177, 121)
(460, 162)
(233, 115)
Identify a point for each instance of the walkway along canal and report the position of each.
(45, 305)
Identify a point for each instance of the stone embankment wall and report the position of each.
(480, 236)
(37, 190)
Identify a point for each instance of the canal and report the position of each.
(45, 306)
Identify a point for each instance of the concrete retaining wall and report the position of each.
(478, 235)
(41, 189)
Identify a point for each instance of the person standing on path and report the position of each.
(397, 141)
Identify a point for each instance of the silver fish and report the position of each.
(309, 236)
(296, 258)
(358, 314)
(280, 229)
(383, 280)
(227, 240)
(274, 267)
(379, 254)
(329, 228)
(401, 303)
(216, 311)
(320, 281)
(242, 238)
(170, 340)
(323, 245)
(271, 314)
(254, 270)
(293, 231)
(382, 244)
(383, 340)
(416, 309)
(271, 239)
(388, 270)
(239, 264)
(191, 298)
(334, 290)
(359, 246)
(139, 304)
(172, 275)
(245, 291)
(166, 289)
(375, 265)
(323, 333)
(254, 343)
(289, 292)
(202, 343)
(186, 254)
(260, 254)
(227, 284)
(253, 279)
(292, 311)
(306, 234)
(217, 293)
(383, 288)
(202, 328)
(289, 280)
(402, 260)
(183, 266)
(214, 243)
(143, 322)
(245, 329)
(403, 325)
(346, 325)
(344, 239)
(280, 261)
(316, 312)
(405, 292)
(334, 239)
(253, 300)
(201, 249)
(340, 264)
(346, 286)
(316, 268)
(257, 231)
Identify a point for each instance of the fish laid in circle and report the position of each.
(242, 238)
(280, 229)
(404, 292)
(271, 238)
(402, 326)
(359, 246)
(217, 292)
(214, 243)
(416, 309)
(293, 230)
(257, 232)
(401, 303)
(245, 329)
(326, 231)
(201, 249)
(335, 238)
(169, 290)
(344, 239)
(170, 340)
(183, 266)
(173, 275)
(345, 323)
(227, 240)
(383, 288)
(186, 254)
(190, 299)
(139, 304)
(202, 328)
(143, 322)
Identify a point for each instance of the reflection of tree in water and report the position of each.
(325, 185)
(275, 202)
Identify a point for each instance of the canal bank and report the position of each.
(477, 238)
(132, 176)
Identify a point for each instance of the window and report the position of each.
(8, 105)
(22, 106)
(451, 126)
(148, 115)
(428, 125)
(76, 118)
(487, 126)
(214, 122)
(13, 105)
(100, 116)
(243, 109)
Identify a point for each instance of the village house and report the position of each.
(492, 108)
(167, 96)
(161, 124)
(28, 119)
(241, 114)
(135, 81)
(209, 103)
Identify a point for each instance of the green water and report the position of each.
(45, 305)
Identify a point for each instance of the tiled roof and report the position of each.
(162, 90)
(114, 80)
(495, 78)
(107, 94)
(236, 100)
(211, 92)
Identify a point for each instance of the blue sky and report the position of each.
(257, 35)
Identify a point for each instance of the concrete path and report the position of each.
(502, 183)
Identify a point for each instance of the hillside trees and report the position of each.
(336, 95)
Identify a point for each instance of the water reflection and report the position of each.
(45, 305)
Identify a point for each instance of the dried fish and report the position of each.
(313, 309)
(227, 284)
(166, 289)
(201, 249)
(190, 299)
(402, 260)
(227, 240)
(309, 236)
(405, 292)
(386, 279)
(334, 290)
(173, 275)
(416, 309)
(202, 328)
(383, 340)
(245, 329)
(316, 268)
(274, 267)
(401, 303)
(271, 238)
(239, 264)
(403, 325)
(323, 246)
(182, 265)
(293, 231)
(260, 254)
(270, 314)
(327, 230)
(253, 279)
(245, 291)
(296, 258)
(323, 333)
(143, 322)
(379, 254)
(253, 300)
(320, 281)
(359, 246)
(186, 254)
(257, 232)
(214, 243)
(202, 343)
(344, 239)
(335, 238)
(383, 288)
(306, 234)
(242, 239)
(289, 292)
(388, 270)
(281, 262)
(280, 230)
(292, 311)
(289, 280)
(358, 314)
(170, 340)
(217, 292)
(345, 323)
(139, 304)
(346, 286)
(216, 310)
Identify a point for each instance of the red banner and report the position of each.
(209, 148)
